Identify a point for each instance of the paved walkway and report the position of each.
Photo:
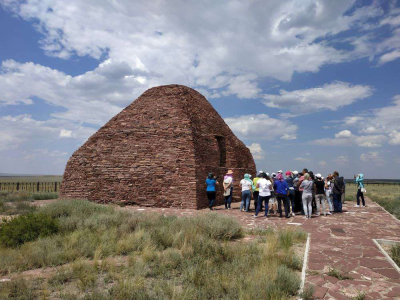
(341, 241)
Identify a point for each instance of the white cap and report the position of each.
(273, 174)
(318, 175)
(280, 171)
(295, 172)
(267, 174)
(259, 172)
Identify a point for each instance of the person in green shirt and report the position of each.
(256, 190)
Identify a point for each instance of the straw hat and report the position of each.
(229, 172)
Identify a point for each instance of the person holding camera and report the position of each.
(211, 182)
(359, 180)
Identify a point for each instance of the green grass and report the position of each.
(395, 253)
(338, 274)
(388, 196)
(114, 254)
(15, 203)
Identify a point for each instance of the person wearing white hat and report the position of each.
(320, 197)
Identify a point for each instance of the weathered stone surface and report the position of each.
(157, 152)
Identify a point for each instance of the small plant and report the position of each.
(338, 274)
(26, 228)
(308, 292)
(359, 296)
(395, 253)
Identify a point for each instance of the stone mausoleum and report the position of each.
(158, 152)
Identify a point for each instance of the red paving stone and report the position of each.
(343, 241)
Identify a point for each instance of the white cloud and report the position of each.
(322, 163)
(372, 157)
(17, 130)
(256, 150)
(328, 97)
(384, 122)
(342, 160)
(261, 127)
(288, 137)
(227, 46)
(302, 159)
(346, 138)
(389, 57)
(65, 133)
(344, 134)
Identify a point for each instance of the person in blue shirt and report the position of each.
(281, 188)
(211, 182)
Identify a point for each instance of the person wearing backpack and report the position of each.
(337, 191)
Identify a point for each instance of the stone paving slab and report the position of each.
(340, 241)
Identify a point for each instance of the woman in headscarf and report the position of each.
(247, 186)
(281, 191)
(211, 182)
(359, 180)
(228, 188)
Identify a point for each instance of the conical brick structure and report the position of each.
(158, 152)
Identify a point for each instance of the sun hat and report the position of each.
(229, 172)
(318, 175)
(280, 171)
(288, 173)
(295, 172)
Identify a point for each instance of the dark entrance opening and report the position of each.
(222, 150)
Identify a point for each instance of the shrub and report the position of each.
(44, 196)
(26, 228)
(338, 274)
(287, 281)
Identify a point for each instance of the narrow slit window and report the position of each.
(222, 150)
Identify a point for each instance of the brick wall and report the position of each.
(157, 152)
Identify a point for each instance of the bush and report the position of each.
(44, 196)
(26, 228)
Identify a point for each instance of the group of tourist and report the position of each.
(295, 192)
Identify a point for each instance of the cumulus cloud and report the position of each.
(228, 45)
(328, 97)
(346, 138)
(65, 133)
(344, 134)
(372, 157)
(20, 129)
(383, 123)
(261, 127)
(256, 150)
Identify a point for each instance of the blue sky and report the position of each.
(303, 83)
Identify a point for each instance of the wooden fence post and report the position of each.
(37, 188)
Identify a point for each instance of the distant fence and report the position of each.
(33, 187)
